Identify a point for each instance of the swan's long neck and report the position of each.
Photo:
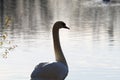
(57, 47)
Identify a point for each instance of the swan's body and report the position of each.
(57, 70)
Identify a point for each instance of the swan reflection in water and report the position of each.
(57, 70)
(106, 1)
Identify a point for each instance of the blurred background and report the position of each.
(91, 46)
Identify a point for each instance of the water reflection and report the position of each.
(94, 38)
(1, 13)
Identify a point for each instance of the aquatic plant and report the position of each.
(6, 45)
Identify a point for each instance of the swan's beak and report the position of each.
(67, 27)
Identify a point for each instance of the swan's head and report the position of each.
(60, 24)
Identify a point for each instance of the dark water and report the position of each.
(91, 46)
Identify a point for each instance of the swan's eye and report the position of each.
(63, 24)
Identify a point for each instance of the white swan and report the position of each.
(57, 70)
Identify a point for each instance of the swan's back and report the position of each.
(52, 71)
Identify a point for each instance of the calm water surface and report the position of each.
(91, 46)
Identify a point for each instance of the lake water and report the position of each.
(91, 46)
